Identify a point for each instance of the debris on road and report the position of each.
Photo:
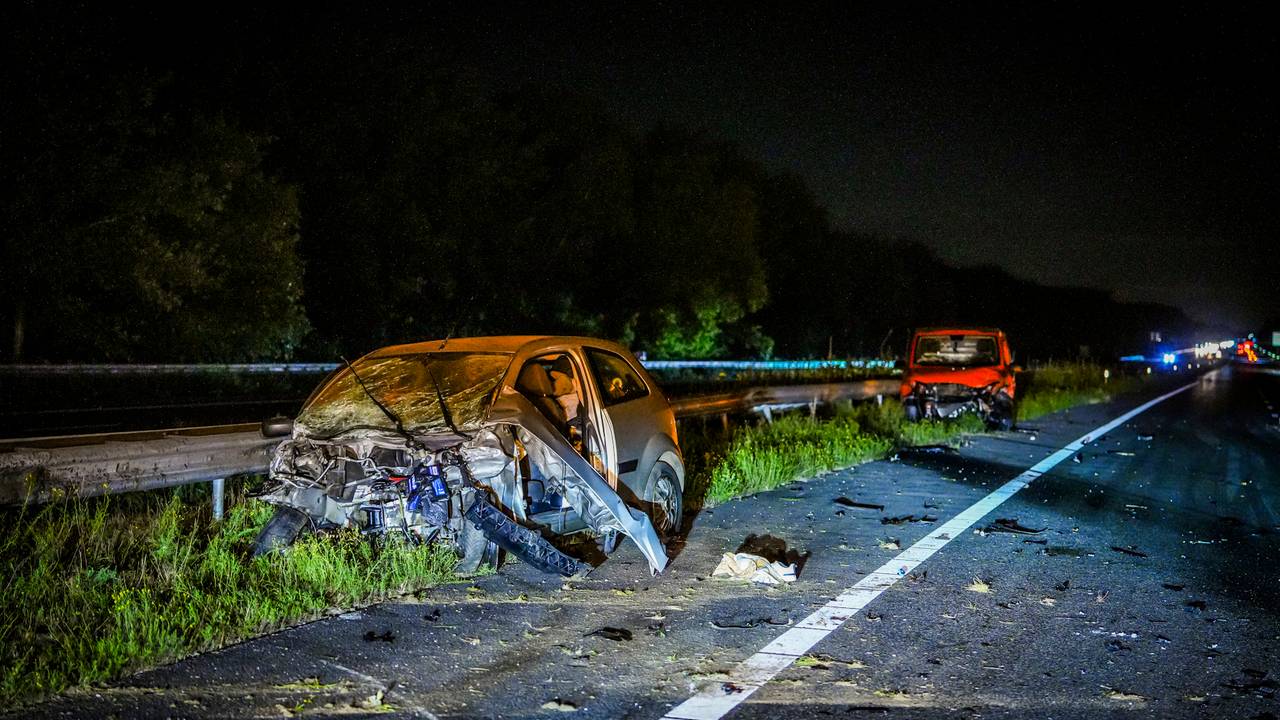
(560, 705)
(1129, 550)
(1009, 525)
(889, 544)
(842, 500)
(1145, 438)
(432, 616)
(615, 634)
(902, 519)
(1172, 586)
(747, 623)
(1113, 694)
(1063, 586)
(1048, 601)
(979, 586)
(1121, 453)
(386, 636)
(1194, 606)
(1063, 551)
(746, 566)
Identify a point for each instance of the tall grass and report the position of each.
(1060, 386)
(767, 456)
(97, 588)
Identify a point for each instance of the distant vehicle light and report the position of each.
(1168, 358)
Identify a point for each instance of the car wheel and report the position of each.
(280, 531)
(665, 499)
(475, 549)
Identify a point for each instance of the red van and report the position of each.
(950, 371)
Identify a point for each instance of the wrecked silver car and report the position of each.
(488, 444)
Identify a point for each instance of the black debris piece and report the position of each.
(918, 577)
(611, 633)
(1063, 586)
(1116, 646)
(932, 506)
(657, 629)
(1102, 439)
(1063, 551)
(842, 500)
(839, 513)
(1129, 550)
(1173, 586)
(731, 688)
(1195, 606)
(1010, 525)
(1036, 541)
(931, 449)
(901, 519)
(432, 616)
(746, 623)
(385, 636)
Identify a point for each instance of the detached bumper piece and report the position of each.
(519, 540)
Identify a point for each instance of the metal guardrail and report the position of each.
(324, 367)
(41, 470)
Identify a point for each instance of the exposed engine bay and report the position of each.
(503, 482)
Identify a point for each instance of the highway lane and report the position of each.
(1183, 624)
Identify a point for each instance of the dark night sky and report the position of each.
(1119, 148)
(1075, 146)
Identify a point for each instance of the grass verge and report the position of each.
(94, 589)
(763, 457)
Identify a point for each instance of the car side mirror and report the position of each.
(278, 426)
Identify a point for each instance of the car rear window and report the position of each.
(957, 350)
(405, 384)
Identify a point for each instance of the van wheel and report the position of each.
(1003, 415)
(911, 409)
(665, 498)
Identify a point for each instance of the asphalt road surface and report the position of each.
(1150, 590)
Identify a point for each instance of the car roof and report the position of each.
(495, 343)
(947, 330)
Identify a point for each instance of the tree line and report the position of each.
(306, 208)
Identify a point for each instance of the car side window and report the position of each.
(617, 381)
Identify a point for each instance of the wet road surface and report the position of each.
(1150, 590)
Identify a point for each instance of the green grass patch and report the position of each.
(770, 455)
(97, 588)
(762, 457)
(1061, 386)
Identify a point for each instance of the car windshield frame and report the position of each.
(953, 359)
(405, 383)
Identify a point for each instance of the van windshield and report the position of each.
(957, 350)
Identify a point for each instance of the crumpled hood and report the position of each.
(972, 377)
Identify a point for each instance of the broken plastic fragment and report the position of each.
(842, 500)
(1010, 525)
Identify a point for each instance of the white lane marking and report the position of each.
(715, 700)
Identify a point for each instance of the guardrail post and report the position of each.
(218, 487)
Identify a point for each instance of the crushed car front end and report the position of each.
(432, 447)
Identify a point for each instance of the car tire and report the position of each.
(475, 549)
(664, 497)
(280, 531)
